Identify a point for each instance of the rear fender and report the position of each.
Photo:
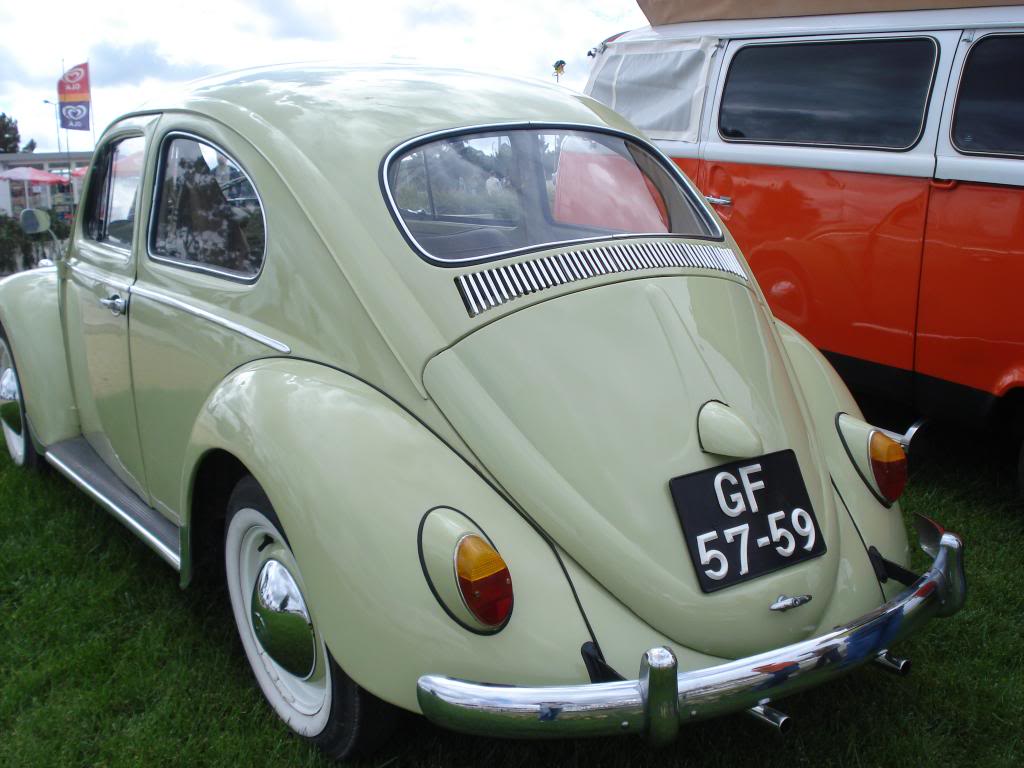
(827, 396)
(30, 314)
(351, 475)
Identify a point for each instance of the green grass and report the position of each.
(104, 661)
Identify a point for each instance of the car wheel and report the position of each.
(13, 420)
(288, 656)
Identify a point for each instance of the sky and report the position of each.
(137, 47)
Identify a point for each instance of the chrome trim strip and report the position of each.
(700, 205)
(231, 325)
(100, 277)
(170, 556)
(492, 287)
(643, 706)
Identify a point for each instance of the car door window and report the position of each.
(110, 206)
(845, 93)
(989, 117)
(208, 215)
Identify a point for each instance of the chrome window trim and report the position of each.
(108, 143)
(231, 325)
(956, 99)
(701, 209)
(171, 557)
(937, 54)
(191, 266)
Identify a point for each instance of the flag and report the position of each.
(73, 95)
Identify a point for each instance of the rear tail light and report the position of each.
(888, 464)
(484, 580)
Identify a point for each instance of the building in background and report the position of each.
(61, 199)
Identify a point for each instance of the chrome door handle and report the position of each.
(115, 304)
(716, 200)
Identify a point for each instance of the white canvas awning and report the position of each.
(665, 83)
(675, 11)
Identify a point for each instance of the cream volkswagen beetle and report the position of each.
(480, 403)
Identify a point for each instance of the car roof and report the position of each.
(833, 24)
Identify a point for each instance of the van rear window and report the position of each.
(989, 115)
(849, 93)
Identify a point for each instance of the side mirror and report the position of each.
(34, 221)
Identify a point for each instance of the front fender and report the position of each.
(30, 314)
(351, 474)
(826, 396)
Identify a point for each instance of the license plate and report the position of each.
(747, 518)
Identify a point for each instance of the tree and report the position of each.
(9, 136)
(30, 147)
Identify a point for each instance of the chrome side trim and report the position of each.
(643, 706)
(170, 556)
(104, 278)
(231, 325)
(489, 288)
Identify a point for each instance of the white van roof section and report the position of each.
(661, 12)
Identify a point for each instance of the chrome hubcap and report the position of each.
(281, 621)
(10, 406)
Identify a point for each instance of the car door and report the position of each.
(818, 157)
(969, 327)
(96, 281)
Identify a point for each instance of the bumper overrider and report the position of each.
(661, 699)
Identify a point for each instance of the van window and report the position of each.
(208, 215)
(850, 93)
(989, 115)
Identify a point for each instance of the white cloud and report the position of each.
(135, 48)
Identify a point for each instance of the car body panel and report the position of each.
(586, 406)
(30, 314)
(351, 486)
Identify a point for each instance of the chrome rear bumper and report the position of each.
(660, 700)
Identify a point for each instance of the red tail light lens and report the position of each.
(484, 580)
(889, 465)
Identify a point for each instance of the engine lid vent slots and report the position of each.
(493, 287)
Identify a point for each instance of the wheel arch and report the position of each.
(30, 316)
(350, 474)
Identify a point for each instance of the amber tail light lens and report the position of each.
(889, 465)
(484, 580)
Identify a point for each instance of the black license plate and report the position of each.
(747, 518)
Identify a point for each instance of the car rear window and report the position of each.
(472, 196)
(989, 116)
(850, 93)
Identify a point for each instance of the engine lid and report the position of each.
(586, 406)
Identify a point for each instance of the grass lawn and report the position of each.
(104, 661)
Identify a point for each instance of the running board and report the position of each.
(76, 460)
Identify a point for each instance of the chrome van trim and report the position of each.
(489, 288)
(640, 707)
(170, 556)
(231, 325)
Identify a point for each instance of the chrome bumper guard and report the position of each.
(660, 700)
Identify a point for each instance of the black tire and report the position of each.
(357, 722)
(27, 457)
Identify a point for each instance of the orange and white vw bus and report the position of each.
(870, 165)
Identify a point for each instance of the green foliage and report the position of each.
(10, 139)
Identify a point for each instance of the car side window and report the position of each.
(989, 117)
(844, 93)
(110, 206)
(208, 215)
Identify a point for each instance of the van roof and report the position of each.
(795, 25)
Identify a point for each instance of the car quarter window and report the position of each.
(848, 93)
(989, 117)
(470, 196)
(110, 205)
(208, 215)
